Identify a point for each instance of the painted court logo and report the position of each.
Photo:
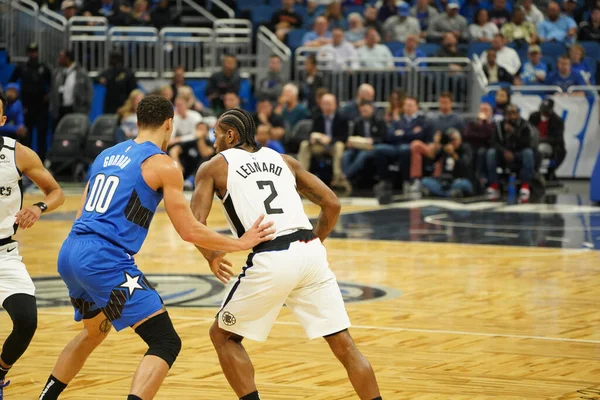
(196, 291)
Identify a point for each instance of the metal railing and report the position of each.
(4, 23)
(222, 6)
(587, 88)
(199, 9)
(267, 44)
(191, 48)
(139, 46)
(528, 88)
(234, 36)
(433, 76)
(53, 35)
(23, 27)
(88, 38)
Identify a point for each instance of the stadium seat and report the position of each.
(592, 64)
(592, 49)
(261, 14)
(249, 4)
(550, 61)
(395, 47)
(68, 141)
(294, 38)
(101, 137)
(298, 133)
(246, 98)
(553, 49)
(429, 48)
(477, 48)
(350, 9)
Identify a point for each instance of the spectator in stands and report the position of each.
(364, 93)
(68, 9)
(368, 131)
(455, 161)
(330, 133)
(127, 114)
(270, 86)
(72, 90)
(505, 56)
(140, 16)
(535, 70)
(571, 10)
(494, 72)
(183, 144)
(399, 26)
(119, 82)
(114, 11)
(447, 118)
(478, 134)
(227, 80)
(288, 107)
(35, 81)
(285, 19)
(482, 30)
(162, 15)
(265, 116)
(371, 21)
(449, 22)
(578, 65)
(263, 137)
(319, 36)
(499, 15)
(356, 30)
(470, 8)
(565, 77)
(556, 27)
(166, 91)
(511, 145)
(449, 48)
(231, 100)
(374, 55)
(14, 126)
(424, 13)
(387, 9)
(532, 13)
(313, 10)
(312, 81)
(395, 107)
(178, 79)
(410, 49)
(519, 30)
(316, 111)
(340, 54)
(551, 128)
(590, 30)
(335, 17)
(502, 99)
(188, 95)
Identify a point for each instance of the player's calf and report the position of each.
(22, 310)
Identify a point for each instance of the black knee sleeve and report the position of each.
(22, 309)
(161, 338)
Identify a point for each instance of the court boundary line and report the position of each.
(393, 329)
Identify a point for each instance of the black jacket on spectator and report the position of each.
(447, 53)
(456, 169)
(221, 84)
(292, 18)
(309, 89)
(515, 141)
(114, 16)
(339, 127)
(377, 129)
(479, 134)
(36, 82)
(404, 131)
(556, 129)
(163, 17)
(503, 75)
(120, 82)
(587, 32)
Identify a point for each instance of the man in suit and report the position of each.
(329, 136)
(368, 131)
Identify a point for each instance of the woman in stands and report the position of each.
(395, 106)
(140, 15)
(188, 94)
(128, 118)
(577, 56)
(482, 30)
(502, 101)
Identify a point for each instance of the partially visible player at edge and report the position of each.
(127, 182)
(290, 269)
(16, 288)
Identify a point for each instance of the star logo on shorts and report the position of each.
(131, 284)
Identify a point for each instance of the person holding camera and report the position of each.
(511, 145)
(453, 166)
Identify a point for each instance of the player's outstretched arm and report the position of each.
(317, 192)
(166, 175)
(30, 164)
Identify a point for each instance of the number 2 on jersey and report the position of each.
(262, 185)
(101, 193)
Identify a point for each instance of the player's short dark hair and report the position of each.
(242, 122)
(153, 111)
(3, 101)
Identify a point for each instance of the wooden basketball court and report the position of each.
(436, 320)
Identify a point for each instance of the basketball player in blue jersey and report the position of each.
(292, 269)
(127, 182)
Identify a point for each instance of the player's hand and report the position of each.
(257, 234)
(28, 216)
(221, 267)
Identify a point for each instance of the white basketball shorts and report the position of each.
(14, 278)
(298, 277)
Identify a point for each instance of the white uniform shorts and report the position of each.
(14, 278)
(298, 277)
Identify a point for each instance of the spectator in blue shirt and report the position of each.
(319, 36)
(557, 27)
(13, 111)
(577, 55)
(263, 137)
(534, 71)
(565, 77)
(410, 51)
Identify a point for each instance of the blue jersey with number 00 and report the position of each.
(120, 205)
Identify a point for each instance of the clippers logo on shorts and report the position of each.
(228, 318)
(192, 291)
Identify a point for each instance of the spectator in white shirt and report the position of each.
(356, 30)
(482, 30)
(184, 122)
(505, 56)
(398, 27)
(340, 54)
(373, 54)
(532, 13)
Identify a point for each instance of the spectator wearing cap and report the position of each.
(590, 30)
(424, 13)
(532, 13)
(72, 90)
(285, 19)
(556, 27)
(340, 54)
(494, 72)
(356, 30)
(577, 55)
(375, 55)
(399, 26)
(68, 9)
(14, 126)
(482, 30)
(534, 71)
(551, 128)
(35, 80)
(119, 82)
(319, 36)
(505, 56)
(565, 77)
(162, 15)
(270, 86)
(499, 14)
(519, 30)
(450, 21)
(371, 21)
(224, 81)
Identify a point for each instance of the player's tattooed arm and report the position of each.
(313, 189)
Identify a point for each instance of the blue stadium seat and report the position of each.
(249, 4)
(294, 38)
(3, 59)
(592, 49)
(551, 61)
(198, 87)
(553, 49)
(592, 64)
(521, 50)
(477, 48)
(350, 9)
(429, 48)
(247, 100)
(395, 47)
(261, 14)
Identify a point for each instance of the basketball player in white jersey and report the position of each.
(292, 269)
(16, 287)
